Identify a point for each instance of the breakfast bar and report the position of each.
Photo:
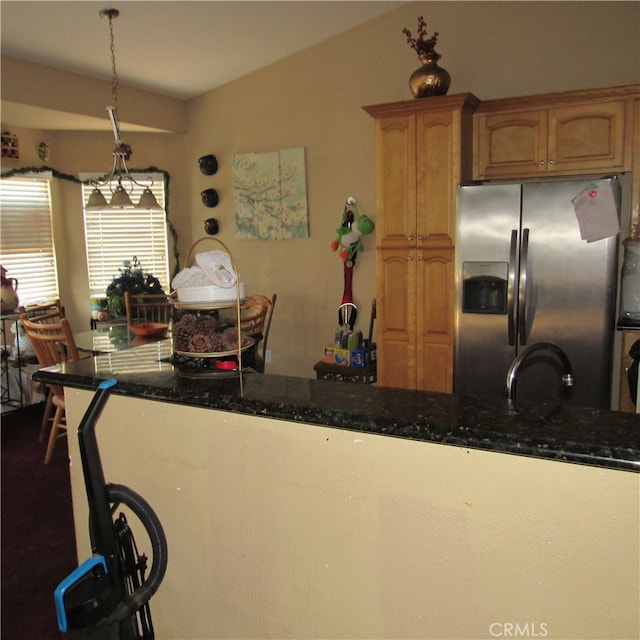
(298, 507)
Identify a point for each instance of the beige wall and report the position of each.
(283, 530)
(314, 100)
(49, 88)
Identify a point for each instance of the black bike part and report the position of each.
(104, 541)
(88, 598)
(126, 595)
(119, 494)
(134, 569)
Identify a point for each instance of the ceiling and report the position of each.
(180, 49)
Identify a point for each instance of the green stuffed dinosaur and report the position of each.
(348, 235)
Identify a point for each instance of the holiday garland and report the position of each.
(65, 176)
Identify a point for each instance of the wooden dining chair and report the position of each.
(148, 307)
(49, 312)
(53, 344)
(43, 311)
(256, 313)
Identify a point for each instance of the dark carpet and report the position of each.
(38, 538)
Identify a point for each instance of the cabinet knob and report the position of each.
(411, 237)
(552, 161)
(542, 163)
(420, 237)
(411, 258)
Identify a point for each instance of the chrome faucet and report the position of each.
(567, 377)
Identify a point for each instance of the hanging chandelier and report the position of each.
(120, 196)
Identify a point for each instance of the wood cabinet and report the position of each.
(423, 151)
(625, 401)
(572, 133)
(635, 161)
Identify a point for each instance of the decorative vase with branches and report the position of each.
(430, 79)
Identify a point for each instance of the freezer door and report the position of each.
(487, 238)
(569, 297)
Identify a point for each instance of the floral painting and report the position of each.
(270, 195)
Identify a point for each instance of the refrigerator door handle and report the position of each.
(511, 303)
(522, 289)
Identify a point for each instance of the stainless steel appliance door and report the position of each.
(569, 297)
(487, 235)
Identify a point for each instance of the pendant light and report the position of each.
(120, 197)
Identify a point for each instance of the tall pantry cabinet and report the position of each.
(423, 151)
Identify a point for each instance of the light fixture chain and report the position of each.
(114, 86)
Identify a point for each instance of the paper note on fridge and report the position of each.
(596, 212)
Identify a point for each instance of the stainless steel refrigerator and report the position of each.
(524, 274)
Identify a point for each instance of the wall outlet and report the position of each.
(267, 355)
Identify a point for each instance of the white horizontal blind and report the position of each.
(27, 251)
(113, 237)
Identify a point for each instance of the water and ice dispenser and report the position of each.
(484, 287)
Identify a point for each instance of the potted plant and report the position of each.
(133, 279)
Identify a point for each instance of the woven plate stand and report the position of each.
(199, 245)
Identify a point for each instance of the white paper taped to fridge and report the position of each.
(597, 212)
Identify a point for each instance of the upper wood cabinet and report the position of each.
(635, 168)
(572, 133)
(423, 151)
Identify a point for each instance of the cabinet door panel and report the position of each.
(586, 137)
(436, 373)
(625, 401)
(438, 161)
(634, 137)
(395, 179)
(435, 320)
(396, 318)
(510, 144)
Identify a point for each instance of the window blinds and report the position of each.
(26, 237)
(114, 237)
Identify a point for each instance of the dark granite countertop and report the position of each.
(575, 435)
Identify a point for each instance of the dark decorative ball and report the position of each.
(211, 226)
(208, 164)
(210, 198)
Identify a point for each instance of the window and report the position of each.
(26, 242)
(113, 238)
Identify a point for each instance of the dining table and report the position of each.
(115, 337)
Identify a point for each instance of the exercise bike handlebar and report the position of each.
(101, 495)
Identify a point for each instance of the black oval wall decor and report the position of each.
(211, 226)
(210, 198)
(208, 164)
